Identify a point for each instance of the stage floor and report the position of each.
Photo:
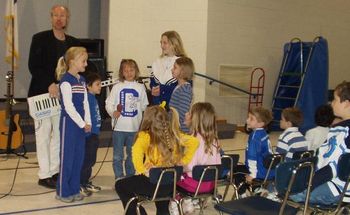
(27, 197)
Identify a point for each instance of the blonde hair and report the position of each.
(203, 122)
(64, 62)
(131, 63)
(175, 40)
(164, 132)
(187, 67)
(262, 114)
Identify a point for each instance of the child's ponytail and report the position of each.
(61, 68)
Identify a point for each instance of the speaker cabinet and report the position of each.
(94, 47)
(98, 65)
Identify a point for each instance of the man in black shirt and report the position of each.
(45, 50)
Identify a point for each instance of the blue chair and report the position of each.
(271, 161)
(291, 178)
(344, 175)
(160, 176)
(303, 154)
(201, 173)
(226, 174)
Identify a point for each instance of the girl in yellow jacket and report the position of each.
(159, 143)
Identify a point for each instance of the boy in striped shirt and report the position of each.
(291, 140)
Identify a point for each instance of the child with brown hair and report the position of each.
(181, 98)
(159, 143)
(291, 140)
(258, 147)
(125, 104)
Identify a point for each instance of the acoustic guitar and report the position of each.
(11, 136)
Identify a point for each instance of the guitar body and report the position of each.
(17, 136)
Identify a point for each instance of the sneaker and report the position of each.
(273, 196)
(85, 192)
(68, 199)
(93, 188)
(173, 210)
(78, 197)
(47, 182)
(195, 203)
(187, 206)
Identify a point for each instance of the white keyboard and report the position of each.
(43, 106)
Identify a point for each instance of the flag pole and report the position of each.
(12, 92)
(13, 57)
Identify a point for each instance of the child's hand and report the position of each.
(155, 91)
(116, 114)
(249, 179)
(87, 128)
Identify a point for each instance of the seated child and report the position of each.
(202, 123)
(258, 147)
(323, 118)
(326, 184)
(291, 140)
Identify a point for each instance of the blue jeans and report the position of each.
(320, 195)
(121, 139)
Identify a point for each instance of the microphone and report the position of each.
(119, 109)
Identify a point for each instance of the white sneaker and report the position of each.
(273, 196)
(173, 210)
(187, 206)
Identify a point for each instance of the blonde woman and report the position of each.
(162, 82)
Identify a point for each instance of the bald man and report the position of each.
(45, 50)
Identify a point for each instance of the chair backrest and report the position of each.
(205, 173)
(162, 176)
(344, 167)
(228, 163)
(165, 175)
(294, 177)
(303, 154)
(343, 172)
(270, 163)
(272, 160)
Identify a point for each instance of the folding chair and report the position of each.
(226, 175)
(159, 176)
(303, 154)
(201, 173)
(291, 178)
(270, 163)
(344, 175)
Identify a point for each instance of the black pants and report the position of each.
(240, 172)
(91, 147)
(139, 184)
